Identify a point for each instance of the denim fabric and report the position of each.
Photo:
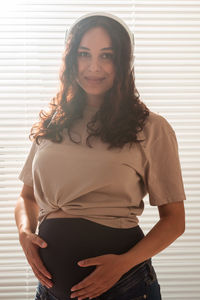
(42, 293)
(138, 284)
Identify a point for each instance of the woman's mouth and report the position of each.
(94, 80)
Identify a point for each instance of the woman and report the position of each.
(94, 156)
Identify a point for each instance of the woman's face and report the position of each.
(95, 63)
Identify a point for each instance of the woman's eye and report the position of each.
(104, 55)
(107, 55)
(82, 54)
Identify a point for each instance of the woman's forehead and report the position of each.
(96, 37)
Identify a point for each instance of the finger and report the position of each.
(38, 262)
(97, 293)
(84, 283)
(39, 265)
(38, 241)
(41, 278)
(39, 275)
(34, 260)
(42, 275)
(85, 292)
(86, 295)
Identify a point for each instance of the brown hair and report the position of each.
(121, 114)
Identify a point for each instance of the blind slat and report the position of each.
(167, 71)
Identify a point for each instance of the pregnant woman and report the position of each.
(94, 156)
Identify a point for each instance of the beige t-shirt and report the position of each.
(101, 185)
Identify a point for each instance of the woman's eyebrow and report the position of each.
(108, 48)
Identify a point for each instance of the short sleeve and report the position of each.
(163, 170)
(26, 172)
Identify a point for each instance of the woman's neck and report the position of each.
(93, 100)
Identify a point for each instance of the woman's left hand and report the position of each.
(109, 269)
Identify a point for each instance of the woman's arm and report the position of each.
(26, 211)
(110, 267)
(170, 226)
(26, 215)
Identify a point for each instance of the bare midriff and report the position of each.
(60, 214)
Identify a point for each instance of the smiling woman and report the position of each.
(96, 71)
(87, 198)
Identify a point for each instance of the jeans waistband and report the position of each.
(144, 271)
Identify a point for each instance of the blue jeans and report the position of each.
(139, 284)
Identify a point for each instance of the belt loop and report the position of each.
(151, 271)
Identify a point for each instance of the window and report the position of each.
(167, 78)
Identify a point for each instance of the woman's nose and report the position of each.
(94, 65)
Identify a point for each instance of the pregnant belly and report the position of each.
(72, 239)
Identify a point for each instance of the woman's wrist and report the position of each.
(23, 231)
(125, 262)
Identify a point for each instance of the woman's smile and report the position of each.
(96, 71)
(92, 80)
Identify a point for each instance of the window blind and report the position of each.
(167, 77)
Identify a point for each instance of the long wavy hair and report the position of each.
(121, 114)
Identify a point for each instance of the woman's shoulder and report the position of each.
(156, 127)
(35, 146)
(156, 121)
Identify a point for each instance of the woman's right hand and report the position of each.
(30, 243)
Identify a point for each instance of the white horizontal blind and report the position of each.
(167, 35)
(32, 41)
(167, 77)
